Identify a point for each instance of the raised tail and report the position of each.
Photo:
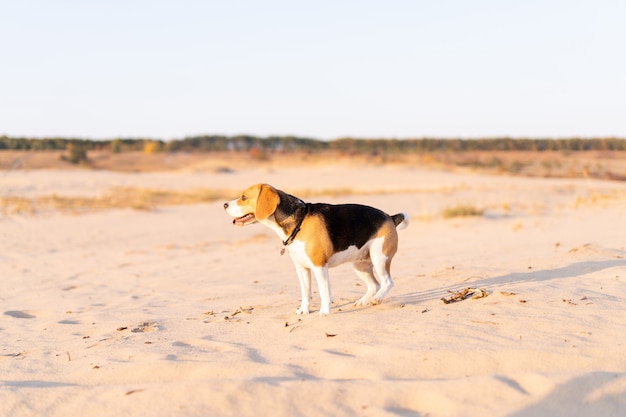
(401, 220)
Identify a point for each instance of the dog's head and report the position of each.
(256, 203)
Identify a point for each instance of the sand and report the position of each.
(175, 312)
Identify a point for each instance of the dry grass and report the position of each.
(461, 210)
(145, 199)
(152, 198)
(608, 165)
(591, 164)
(117, 198)
(597, 198)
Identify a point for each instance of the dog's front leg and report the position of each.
(323, 286)
(304, 276)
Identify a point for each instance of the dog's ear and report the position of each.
(266, 202)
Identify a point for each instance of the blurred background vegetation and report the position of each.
(78, 147)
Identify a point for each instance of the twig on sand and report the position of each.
(468, 292)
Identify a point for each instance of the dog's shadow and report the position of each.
(500, 282)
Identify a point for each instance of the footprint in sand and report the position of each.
(18, 314)
(147, 326)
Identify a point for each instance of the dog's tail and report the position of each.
(401, 220)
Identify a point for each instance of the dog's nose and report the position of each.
(225, 205)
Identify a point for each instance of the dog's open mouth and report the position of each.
(244, 220)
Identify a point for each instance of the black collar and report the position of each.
(293, 234)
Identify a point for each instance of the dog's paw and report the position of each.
(375, 301)
(361, 302)
(302, 310)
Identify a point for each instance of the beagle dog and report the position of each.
(320, 236)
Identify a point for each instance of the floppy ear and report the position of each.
(266, 202)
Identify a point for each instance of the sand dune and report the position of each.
(174, 311)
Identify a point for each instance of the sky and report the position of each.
(320, 69)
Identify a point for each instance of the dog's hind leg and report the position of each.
(304, 276)
(382, 268)
(386, 283)
(365, 270)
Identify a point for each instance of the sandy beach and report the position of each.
(172, 311)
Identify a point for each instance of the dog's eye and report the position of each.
(244, 198)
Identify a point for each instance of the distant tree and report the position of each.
(116, 146)
(77, 153)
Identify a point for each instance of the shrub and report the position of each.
(462, 210)
(77, 153)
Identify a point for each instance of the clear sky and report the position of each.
(322, 69)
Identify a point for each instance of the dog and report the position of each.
(320, 236)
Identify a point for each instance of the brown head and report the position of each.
(256, 203)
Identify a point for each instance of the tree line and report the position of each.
(213, 143)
